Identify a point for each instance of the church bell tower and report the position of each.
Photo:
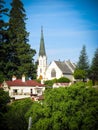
(42, 59)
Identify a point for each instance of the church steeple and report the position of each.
(42, 59)
(42, 45)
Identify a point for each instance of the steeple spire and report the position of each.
(42, 46)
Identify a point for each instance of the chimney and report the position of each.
(13, 78)
(23, 78)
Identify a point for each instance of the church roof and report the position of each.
(63, 67)
(72, 65)
(42, 45)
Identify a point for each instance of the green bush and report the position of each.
(63, 80)
(50, 83)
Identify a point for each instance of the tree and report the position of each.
(3, 38)
(15, 117)
(71, 108)
(94, 67)
(19, 59)
(4, 100)
(82, 65)
(80, 74)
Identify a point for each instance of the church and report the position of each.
(56, 69)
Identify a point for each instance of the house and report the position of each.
(57, 85)
(22, 88)
(56, 69)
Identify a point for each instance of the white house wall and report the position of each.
(24, 90)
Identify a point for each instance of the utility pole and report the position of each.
(30, 123)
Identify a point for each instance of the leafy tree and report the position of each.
(3, 38)
(71, 108)
(15, 118)
(82, 65)
(94, 67)
(19, 59)
(80, 74)
(4, 100)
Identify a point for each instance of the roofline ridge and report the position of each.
(69, 66)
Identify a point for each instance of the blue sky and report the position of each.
(67, 26)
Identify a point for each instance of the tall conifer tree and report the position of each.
(82, 68)
(20, 55)
(3, 38)
(94, 67)
(83, 63)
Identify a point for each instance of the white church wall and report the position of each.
(69, 77)
(42, 67)
(49, 69)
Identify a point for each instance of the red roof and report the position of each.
(19, 82)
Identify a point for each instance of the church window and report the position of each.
(53, 73)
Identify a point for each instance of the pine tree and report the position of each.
(20, 55)
(82, 68)
(94, 67)
(3, 38)
(83, 63)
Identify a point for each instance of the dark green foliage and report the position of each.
(71, 108)
(19, 55)
(4, 100)
(15, 118)
(94, 67)
(3, 38)
(83, 63)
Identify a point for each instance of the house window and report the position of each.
(15, 91)
(31, 91)
(39, 91)
(53, 73)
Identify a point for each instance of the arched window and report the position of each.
(53, 73)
